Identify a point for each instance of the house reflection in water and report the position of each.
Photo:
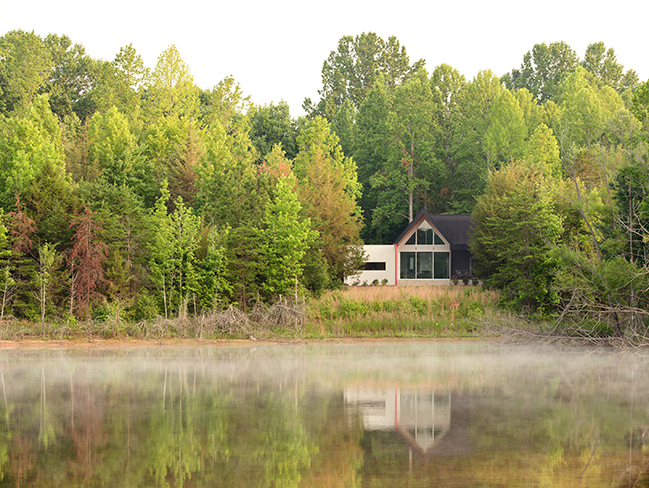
(430, 422)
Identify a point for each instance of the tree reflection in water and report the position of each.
(401, 414)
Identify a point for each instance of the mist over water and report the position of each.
(365, 414)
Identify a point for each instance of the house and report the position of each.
(431, 250)
(431, 423)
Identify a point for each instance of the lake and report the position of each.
(373, 414)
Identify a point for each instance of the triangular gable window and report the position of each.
(425, 235)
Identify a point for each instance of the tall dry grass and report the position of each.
(400, 311)
(429, 293)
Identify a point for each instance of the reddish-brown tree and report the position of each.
(21, 229)
(85, 260)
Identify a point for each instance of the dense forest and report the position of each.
(129, 188)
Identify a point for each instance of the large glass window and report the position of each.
(407, 266)
(442, 266)
(424, 265)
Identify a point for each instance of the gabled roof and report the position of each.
(454, 228)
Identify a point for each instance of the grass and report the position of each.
(355, 312)
(382, 311)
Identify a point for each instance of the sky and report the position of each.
(275, 49)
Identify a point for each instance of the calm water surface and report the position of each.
(396, 414)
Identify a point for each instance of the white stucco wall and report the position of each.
(376, 254)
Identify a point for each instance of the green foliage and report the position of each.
(371, 148)
(257, 204)
(71, 82)
(285, 239)
(447, 85)
(120, 84)
(420, 305)
(640, 102)
(351, 309)
(173, 253)
(47, 258)
(351, 70)
(543, 69)
(329, 191)
(412, 126)
(603, 64)
(586, 108)
(506, 132)
(271, 125)
(30, 144)
(145, 306)
(171, 91)
(212, 287)
(25, 65)
(602, 296)
(112, 147)
(514, 224)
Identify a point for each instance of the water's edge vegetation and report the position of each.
(355, 312)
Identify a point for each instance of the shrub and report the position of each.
(419, 305)
(349, 309)
(145, 307)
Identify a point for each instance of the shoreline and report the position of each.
(145, 343)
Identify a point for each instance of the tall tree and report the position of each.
(112, 146)
(270, 125)
(411, 167)
(7, 280)
(640, 103)
(343, 125)
(351, 70)
(173, 253)
(285, 239)
(329, 190)
(476, 103)
(514, 222)
(125, 222)
(543, 68)
(22, 230)
(72, 80)
(25, 67)
(603, 64)
(85, 260)
(372, 141)
(171, 91)
(585, 108)
(506, 131)
(447, 84)
(47, 258)
(121, 84)
(30, 143)
(225, 104)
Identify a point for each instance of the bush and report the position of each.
(350, 309)
(419, 305)
(145, 307)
